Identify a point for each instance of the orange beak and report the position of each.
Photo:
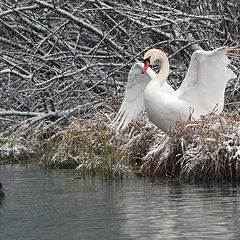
(3, 188)
(146, 65)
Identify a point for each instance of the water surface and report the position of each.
(51, 204)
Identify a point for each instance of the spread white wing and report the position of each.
(133, 102)
(204, 85)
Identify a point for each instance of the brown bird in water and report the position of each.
(2, 188)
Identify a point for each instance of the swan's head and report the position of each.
(151, 56)
(146, 62)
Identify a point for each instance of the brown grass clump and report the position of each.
(206, 150)
(201, 151)
(92, 147)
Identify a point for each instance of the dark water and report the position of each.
(50, 204)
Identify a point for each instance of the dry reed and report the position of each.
(203, 151)
(206, 150)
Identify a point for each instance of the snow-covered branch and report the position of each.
(55, 57)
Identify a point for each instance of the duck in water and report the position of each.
(1, 192)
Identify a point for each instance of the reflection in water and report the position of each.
(50, 204)
(190, 212)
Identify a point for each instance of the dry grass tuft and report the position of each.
(92, 147)
(14, 147)
(206, 150)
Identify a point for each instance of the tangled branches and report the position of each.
(59, 58)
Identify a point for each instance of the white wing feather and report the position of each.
(133, 102)
(205, 81)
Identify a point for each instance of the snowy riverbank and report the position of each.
(207, 150)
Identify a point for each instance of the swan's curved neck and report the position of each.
(164, 71)
(157, 54)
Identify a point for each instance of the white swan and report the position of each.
(201, 91)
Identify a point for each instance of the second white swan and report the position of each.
(201, 91)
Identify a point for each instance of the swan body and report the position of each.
(201, 92)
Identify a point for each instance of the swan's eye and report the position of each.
(146, 60)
